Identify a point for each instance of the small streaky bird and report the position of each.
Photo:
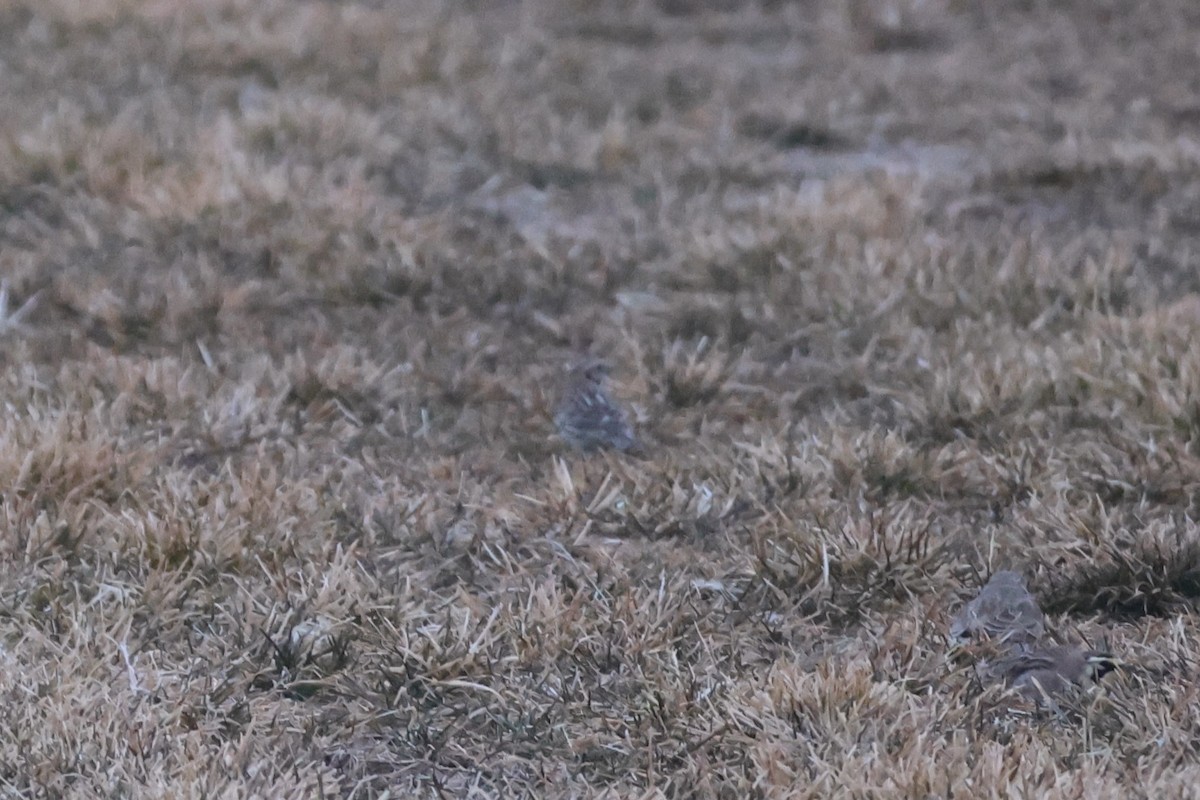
(1041, 674)
(1004, 611)
(587, 417)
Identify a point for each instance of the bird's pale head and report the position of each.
(1100, 663)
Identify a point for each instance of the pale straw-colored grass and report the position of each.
(898, 294)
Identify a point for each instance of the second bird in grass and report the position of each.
(1040, 674)
(587, 417)
(1004, 610)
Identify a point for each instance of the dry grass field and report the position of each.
(898, 293)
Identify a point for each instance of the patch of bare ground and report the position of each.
(896, 293)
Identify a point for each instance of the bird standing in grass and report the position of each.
(587, 417)
(1041, 674)
(1004, 611)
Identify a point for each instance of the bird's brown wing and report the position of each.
(1013, 617)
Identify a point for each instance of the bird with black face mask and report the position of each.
(1002, 629)
(1041, 674)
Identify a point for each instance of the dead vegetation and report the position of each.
(896, 294)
